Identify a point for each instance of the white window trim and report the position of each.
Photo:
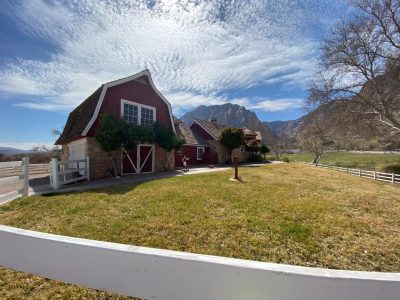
(197, 152)
(139, 105)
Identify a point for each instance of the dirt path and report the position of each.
(35, 181)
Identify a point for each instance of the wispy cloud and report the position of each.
(193, 48)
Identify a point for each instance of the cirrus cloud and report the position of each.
(196, 50)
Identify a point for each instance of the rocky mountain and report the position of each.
(346, 129)
(287, 128)
(232, 115)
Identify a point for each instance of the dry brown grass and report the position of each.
(285, 213)
(19, 285)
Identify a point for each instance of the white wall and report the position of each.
(162, 274)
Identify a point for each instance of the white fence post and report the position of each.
(25, 170)
(54, 174)
(374, 175)
(87, 169)
(359, 172)
(392, 178)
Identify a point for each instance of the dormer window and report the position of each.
(136, 113)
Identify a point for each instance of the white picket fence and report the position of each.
(387, 177)
(162, 274)
(20, 181)
(68, 171)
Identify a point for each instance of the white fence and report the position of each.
(19, 183)
(387, 177)
(162, 274)
(33, 169)
(68, 171)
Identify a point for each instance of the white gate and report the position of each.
(68, 171)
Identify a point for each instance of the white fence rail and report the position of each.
(16, 169)
(19, 184)
(68, 171)
(161, 274)
(387, 177)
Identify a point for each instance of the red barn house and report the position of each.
(134, 98)
(203, 146)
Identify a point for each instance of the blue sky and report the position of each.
(53, 54)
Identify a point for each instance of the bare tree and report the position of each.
(360, 63)
(279, 144)
(56, 132)
(314, 137)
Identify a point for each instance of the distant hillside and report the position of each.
(232, 115)
(346, 129)
(12, 151)
(288, 128)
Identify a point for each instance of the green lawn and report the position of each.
(284, 213)
(378, 162)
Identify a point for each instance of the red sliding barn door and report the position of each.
(138, 160)
(146, 158)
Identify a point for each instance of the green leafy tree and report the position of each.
(132, 134)
(109, 138)
(232, 138)
(252, 148)
(264, 150)
(167, 140)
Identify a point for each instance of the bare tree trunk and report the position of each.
(165, 161)
(114, 164)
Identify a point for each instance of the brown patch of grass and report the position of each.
(284, 213)
(19, 285)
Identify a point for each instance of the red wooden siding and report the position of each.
(146, 154)
(136, 92)
(250, 138)
(191, 152)
(201, 132)
(127, 163)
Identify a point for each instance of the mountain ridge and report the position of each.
(232, 115)
(12, 151)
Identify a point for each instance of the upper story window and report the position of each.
(146, 116)
(131, 113)
(136, 113)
